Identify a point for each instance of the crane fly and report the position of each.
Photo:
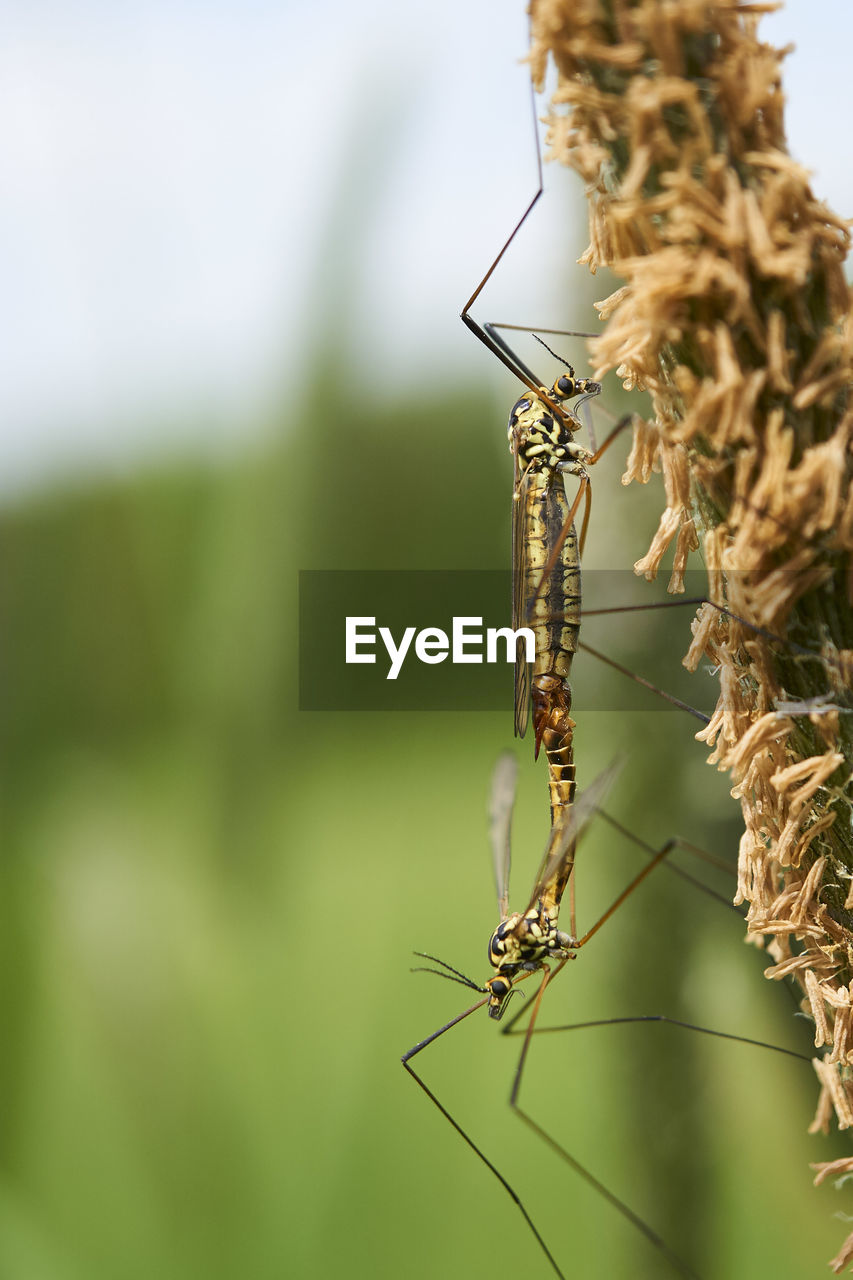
(529, 942)
(546, 573)
(546, 579)
(546, 550)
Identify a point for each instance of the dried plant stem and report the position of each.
(733, 316)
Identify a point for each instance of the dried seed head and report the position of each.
(733, 315)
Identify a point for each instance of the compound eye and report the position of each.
(566, 385)
(499, 988)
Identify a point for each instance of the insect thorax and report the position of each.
(523, 942)
(541, 439)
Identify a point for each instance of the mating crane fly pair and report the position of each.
(547, 598)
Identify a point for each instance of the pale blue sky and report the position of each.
(173, 176)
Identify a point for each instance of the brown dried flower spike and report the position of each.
(734, 317)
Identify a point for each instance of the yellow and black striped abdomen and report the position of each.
(546, 579)
(552, 593)
(551, 574)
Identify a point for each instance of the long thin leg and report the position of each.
(647, 870)
(663, 1018)
(506, 357)
(488, 333)
(640, 680)
(507, 1186)
(677, 843)
(617, 431)
(679, 1265)
(695, 602)
(536, 328)
(652, 1236)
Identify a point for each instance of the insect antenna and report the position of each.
(561, 359)
(446, 971)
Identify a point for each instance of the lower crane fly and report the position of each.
(523, 944)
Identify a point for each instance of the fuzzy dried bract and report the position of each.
(734, 317)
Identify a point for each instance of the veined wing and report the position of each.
(501, 801)
(519, 609)
(560, 848)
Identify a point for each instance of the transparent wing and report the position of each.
(565, 835)
(519, 612)
(501, 801)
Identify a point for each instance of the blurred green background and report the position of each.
(210, 899)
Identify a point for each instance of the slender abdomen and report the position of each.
(552, 596)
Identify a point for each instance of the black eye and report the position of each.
(565, 385)
(499, 988)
